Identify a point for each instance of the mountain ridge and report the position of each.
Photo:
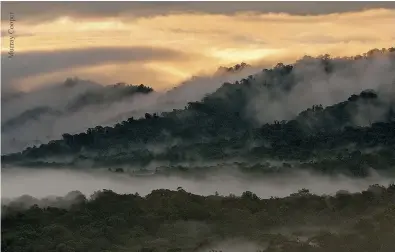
(220, 127)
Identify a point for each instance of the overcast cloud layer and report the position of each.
(33, 11)
(163, 44)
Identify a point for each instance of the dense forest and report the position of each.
(242, 125)
(167, 220)
(350, 136)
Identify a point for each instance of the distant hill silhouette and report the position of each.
(218, 128)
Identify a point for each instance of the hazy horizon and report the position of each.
(162, 44)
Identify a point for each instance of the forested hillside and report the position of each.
(93, 95)
(223, 127)
(198, 127)
(254, 125)
(167, 221)
(42, 115)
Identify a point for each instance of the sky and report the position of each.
(161, 44)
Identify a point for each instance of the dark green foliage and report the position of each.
(168, 220)
(348, 137)
(209, 135)
(218, 128)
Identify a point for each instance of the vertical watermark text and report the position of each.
(11, 32)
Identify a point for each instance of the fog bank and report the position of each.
(35, 128)
(40, 183)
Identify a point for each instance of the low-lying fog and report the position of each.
(41, 183)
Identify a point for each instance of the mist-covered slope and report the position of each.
(323, 126)
(317, 110)
(41, 115)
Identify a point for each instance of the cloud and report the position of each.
(33, 11)
(47, 127)
(30, 64)
(328, 39)
(207, 39)
(202, 33)
(4, 33)
(313, 86)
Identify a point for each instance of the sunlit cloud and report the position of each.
(210, 40)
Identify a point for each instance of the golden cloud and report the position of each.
(213, 39)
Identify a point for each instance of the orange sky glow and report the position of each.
(197, 42)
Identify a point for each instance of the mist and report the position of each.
(313, 86)
(235, 245)
(46, 127)
(44, 182)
